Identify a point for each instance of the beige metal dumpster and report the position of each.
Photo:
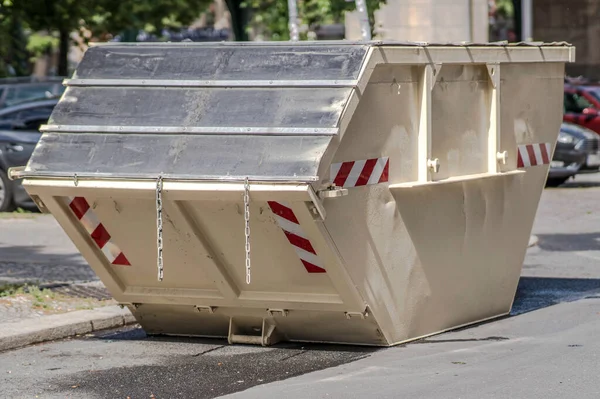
(361, 193)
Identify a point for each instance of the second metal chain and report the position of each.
(159, 227)
(247, 227)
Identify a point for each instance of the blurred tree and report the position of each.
(116, 16)
(13, 55)
(60, 16)
(239, 19)
(100, 17)
(270, 17)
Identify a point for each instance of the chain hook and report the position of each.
(247, 227)
(159, 227)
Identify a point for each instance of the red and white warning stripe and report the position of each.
(534, 154)
(96, 230)
(360, 173)
(293, 231)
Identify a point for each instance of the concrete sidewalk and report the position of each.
(52, 327)
(549, 353)
(35, 251)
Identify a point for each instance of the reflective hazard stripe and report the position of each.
(533, 154)
(295, 235)
(82, 210)
(360, 173)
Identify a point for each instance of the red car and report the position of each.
(582, 106)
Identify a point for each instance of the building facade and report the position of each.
(573, 21)
(434, 21)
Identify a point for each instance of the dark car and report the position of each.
(577, 151)
(19, 134)
(20, 91)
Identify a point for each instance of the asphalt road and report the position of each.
(542, 351)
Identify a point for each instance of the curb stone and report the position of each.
(58, 326)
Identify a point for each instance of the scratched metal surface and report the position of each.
(261, 131)
(201, 107)
(223, 62)
(261, 158)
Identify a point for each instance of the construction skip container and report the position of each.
(362, 193)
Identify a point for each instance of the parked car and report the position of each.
(19, 134)
(582, 107)
(577, 151)
(15, 91)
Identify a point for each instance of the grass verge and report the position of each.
(45, 300)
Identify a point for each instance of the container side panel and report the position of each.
(132, 224)
(284, 62)
(435, 257)
(469, 241)
(207, 107)
(531, 113)
(211, 157)
(536, 117)
(277, 263)
(460, 120)
(385, 124)
(378, 253)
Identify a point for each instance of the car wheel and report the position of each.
(555, 182)
(6, 195)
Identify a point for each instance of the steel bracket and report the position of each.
(15, 172)
(277, 312)
(360, 315)
(269, 335)
(206, 309)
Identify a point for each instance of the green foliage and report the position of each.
(39, 45)
(108, 16)
(506, 6)
(103, 18)
(11, 290)
(115, 16)
(13, 56)
(270, 17)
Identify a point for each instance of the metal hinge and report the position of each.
(332, 192)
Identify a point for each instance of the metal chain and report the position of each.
(247, 227)
(159, 226)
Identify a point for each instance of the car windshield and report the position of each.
(573, 102)
(595, 93)
(26, 93)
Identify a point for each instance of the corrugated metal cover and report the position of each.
(223, 62)
(215, 112)
(209, 157)
(201, 107)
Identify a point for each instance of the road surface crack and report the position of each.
(208, 351)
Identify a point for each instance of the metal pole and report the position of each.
(293, 23)
(365, 27)
(471, 27)
(526, 20)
